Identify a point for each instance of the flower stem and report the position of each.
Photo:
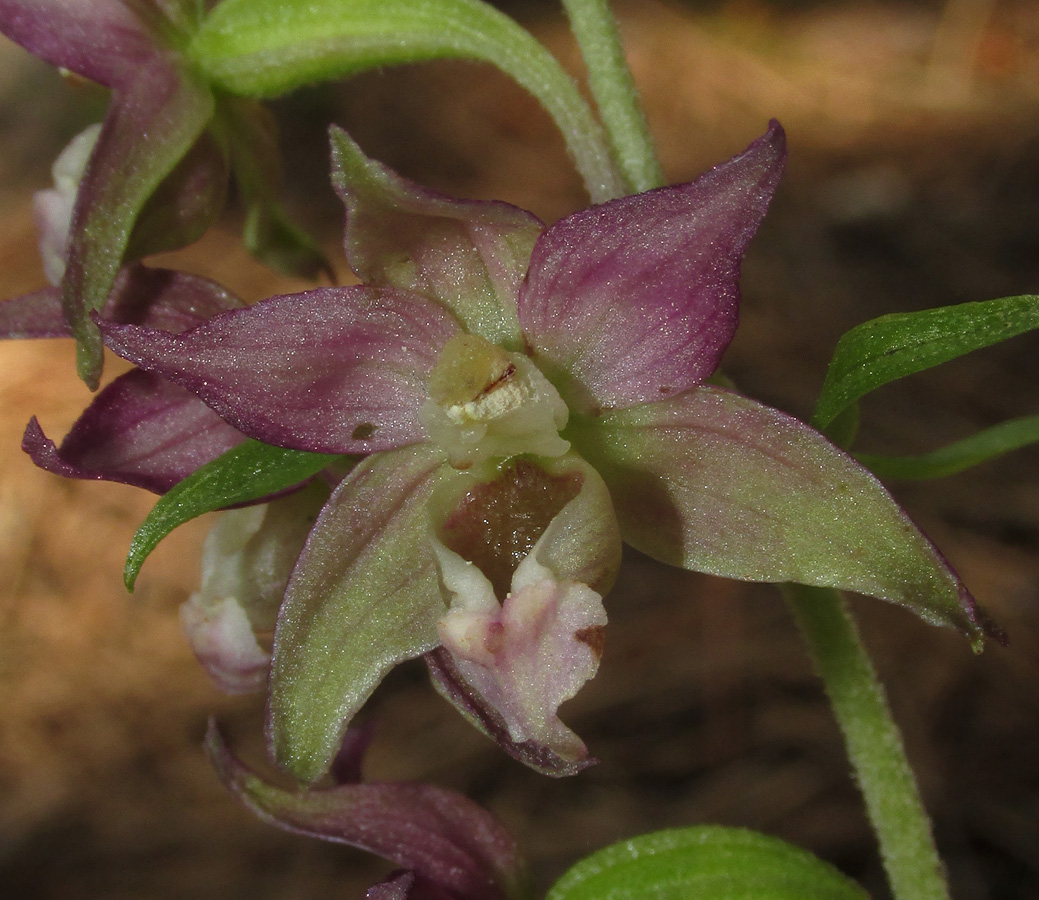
(614, 90)
(266, 49)
(873, 742)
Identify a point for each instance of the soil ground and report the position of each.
(913, 182)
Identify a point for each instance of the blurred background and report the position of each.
(913, 182)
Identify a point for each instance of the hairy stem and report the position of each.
(614, 90)
(873, 741)
(263, 50)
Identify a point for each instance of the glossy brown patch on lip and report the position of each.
(496, 524)
(595, 637)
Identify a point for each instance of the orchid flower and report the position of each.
(118, 197)
(526, 397)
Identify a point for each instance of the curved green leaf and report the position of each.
(956, 457)
(891, 347)
(706, 863)
(244, 473)
(264, 48)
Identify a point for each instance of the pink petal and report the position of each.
(246, 563)
(140, 430)
(158, 298)
(440, 835)
(334, 370)
(637, 299)
(452, 685)
(515, 648)
(102, 40)
(52, 208)
(527, 656)
(468, 255)
(224, 643)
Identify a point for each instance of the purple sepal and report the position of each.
(636, 300)
(34, 315)
(102, 40)
(439, 835)
(450, 683)
(185, 204)
(140, 430)
(169, 105)
(404, 884)
(469, 255)
(333, 370)
(159, 298)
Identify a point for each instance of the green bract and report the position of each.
(958, 456)
(241, 475)
(708, 863)
(888, 348)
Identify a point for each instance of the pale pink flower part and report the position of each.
(529, 653)
(53, 206)
(223, 641)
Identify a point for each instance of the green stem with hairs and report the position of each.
(266, 48)
(613, 88)
(874, 744)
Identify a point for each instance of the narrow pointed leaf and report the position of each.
(364, 596)
(891, 347)
(243, 474)
(706, 863)
(956, 457)
(715, 482)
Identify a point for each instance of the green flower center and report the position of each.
(485, 402)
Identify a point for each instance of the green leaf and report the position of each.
(891, 347)
(956, 457)
(244, 473)
(706, 863)
(364, 597)
(265, 48)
